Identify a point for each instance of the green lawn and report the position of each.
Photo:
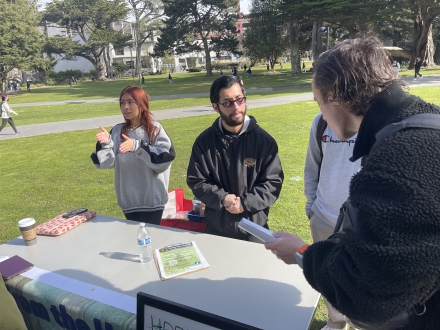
(43, 176)
(406, 73)
(53, 113)
(156, 85)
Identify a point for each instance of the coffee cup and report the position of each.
(28, 231)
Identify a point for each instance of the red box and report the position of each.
(183, 204)
(184, 224)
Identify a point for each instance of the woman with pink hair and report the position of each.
(141, 153)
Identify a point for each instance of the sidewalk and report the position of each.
(159, 97)
(109, 121)
(94, 123)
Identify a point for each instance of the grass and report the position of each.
(53, 172)
(53, 113)
(43, 176)
(409, 73)
(183, 83)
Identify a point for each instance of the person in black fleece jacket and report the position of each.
(390, 261)
(234, 167)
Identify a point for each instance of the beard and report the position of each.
(229, 120)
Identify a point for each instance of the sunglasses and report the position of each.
(229, 104)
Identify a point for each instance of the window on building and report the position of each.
(130, 64)
(119, 51)
(182, 60)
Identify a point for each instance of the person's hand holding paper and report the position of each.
(285, 247)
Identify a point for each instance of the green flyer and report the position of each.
(178, 259)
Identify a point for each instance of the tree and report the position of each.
(267, 36)
(92, 21)
(436, 38)
(119, 67)
(425, 11)
(225, 43)
(190, 26)
(20, 41)
(147, 15)
(345, 18)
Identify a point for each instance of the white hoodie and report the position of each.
(328, 190)
(6, 110)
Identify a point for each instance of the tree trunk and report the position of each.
(110, 66)
(3, 82)
(317, 47)
(106, 61)
(437, 53)
(295, 59)
(138, 63)
(429, 54)
(422, 26)
(272, 64)
(207, 57)
(99, 66)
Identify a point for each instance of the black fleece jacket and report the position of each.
(392, 260)
(246, 165)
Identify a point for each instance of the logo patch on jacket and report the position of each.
(249, 162)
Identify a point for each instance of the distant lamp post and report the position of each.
(132, 63)
(324, 30)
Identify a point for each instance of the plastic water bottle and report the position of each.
(144, 243)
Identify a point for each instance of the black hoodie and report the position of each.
(246, 165)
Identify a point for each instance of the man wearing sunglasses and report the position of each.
(234, 167)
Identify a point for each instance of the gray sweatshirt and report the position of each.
(326, 195)
(141, 176)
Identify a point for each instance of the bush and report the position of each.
(194, 70)
(224, 65)
(269, 73)
(49, 81)
(119, 67)
(93, 73)
(63, 76)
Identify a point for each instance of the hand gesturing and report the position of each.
(127, 145)
(103, 137)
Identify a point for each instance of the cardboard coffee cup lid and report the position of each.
(26, 222)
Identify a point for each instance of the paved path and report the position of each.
(159, 97)
(90, 123)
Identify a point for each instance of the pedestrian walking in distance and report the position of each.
(5, 113)
(417, 67)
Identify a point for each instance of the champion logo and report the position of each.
(329, 139)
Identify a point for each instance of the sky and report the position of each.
(244, 6)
